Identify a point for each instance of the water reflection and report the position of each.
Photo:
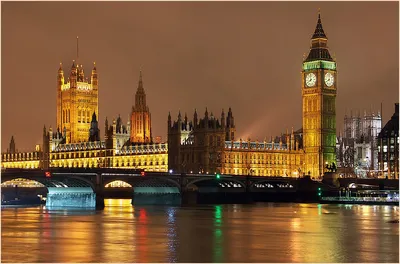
(118, 233)
(142, 240)
(222, 233)
(172, 235)
(218, 249)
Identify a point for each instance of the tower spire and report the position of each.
(319, 31)
(140, 83)
(319, 48)
(77, 48)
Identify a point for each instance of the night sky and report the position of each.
(244, 55)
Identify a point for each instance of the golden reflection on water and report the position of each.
(116, 233)
(311, 239)
(219, 233)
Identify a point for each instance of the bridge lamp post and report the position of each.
(319, 193)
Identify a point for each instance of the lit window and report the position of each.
(384, 148)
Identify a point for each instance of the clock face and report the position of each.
(329, 79)
(311, 79)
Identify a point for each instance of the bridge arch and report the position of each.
(118, 184)
(118, 179)
(57, 182)
(21, 182)
(62, 191)
(144, 181)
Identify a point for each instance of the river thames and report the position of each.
(265, 232)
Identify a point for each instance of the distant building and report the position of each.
(357, 149)
(208, 145)
(388, 147)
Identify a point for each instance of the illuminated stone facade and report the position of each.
(78, 144)
(140, 117)
(77, 100)
(319, 80)
(14, 159)
(208, 146)
(26, 160)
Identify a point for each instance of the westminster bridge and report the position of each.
(84, 187)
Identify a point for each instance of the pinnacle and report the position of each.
(319, 31)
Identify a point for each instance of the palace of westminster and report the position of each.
(206, 144)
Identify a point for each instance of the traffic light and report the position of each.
(142, 173)
(47, 174)
(218, 176)
(319, 192)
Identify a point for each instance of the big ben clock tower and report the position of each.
(319, 85)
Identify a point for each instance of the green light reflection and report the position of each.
(218, 251)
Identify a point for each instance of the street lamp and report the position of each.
(368, 164)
